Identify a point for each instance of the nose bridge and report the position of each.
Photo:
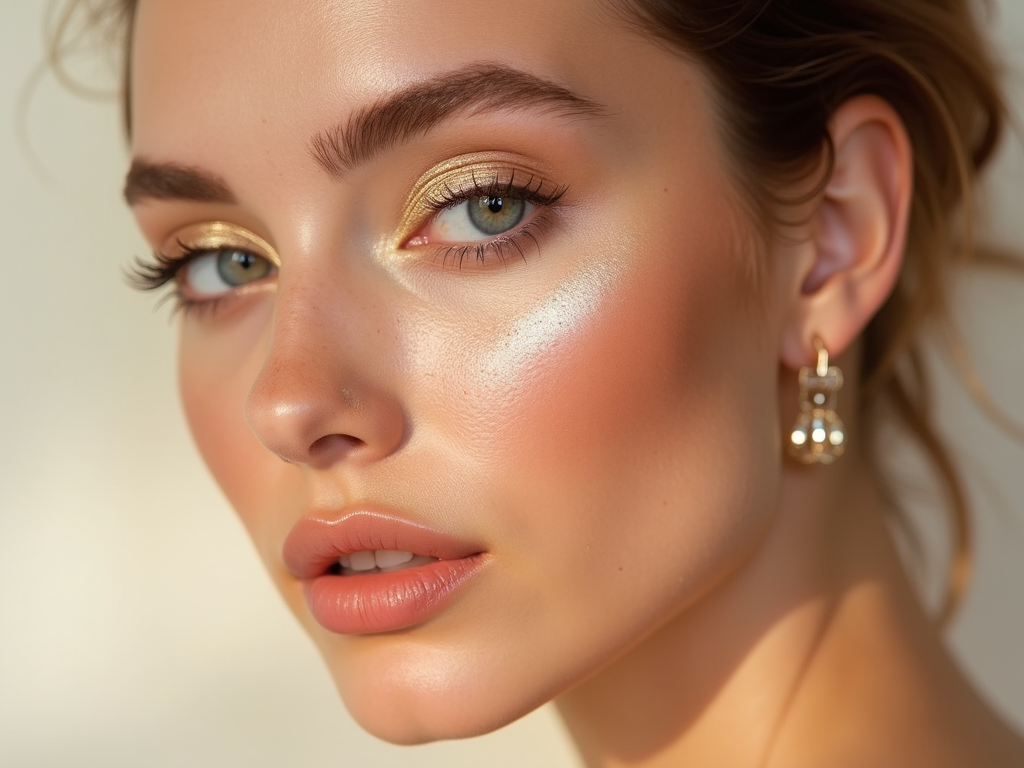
(322, 394)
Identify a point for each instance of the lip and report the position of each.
(376, 602)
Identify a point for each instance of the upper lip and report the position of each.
(315, 543)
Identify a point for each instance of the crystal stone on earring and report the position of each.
(818, 437)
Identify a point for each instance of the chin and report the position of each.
(407, 723)
(408, 706)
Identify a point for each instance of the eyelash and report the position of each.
(161, 269)
(501, 246)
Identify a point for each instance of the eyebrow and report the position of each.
(411, 112)
(174, 181)
(419, 107)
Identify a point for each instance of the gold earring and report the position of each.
(818, 437)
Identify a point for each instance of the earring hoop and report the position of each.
(818, 437)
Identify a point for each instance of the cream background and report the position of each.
(136, 626)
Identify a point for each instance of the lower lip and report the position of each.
(387, 602)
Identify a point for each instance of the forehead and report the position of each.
(219, 67)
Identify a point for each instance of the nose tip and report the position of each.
(306, 417)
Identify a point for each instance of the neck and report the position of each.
(813, 649)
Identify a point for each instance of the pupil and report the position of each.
(494, 204)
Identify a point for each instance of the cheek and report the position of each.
(657, 447)
(635, 410)
(674, 425)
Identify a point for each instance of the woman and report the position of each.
(540, 352)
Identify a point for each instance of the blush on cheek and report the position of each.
(619, 400)
(608, 359)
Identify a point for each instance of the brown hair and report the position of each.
(782, 68)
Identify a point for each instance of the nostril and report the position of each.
(299, 413)
(334, 446)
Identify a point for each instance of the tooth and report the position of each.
(389, 558)
(345, 561)
(363, 561)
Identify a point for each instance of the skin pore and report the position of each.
(593, 399)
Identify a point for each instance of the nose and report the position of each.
(323, 395)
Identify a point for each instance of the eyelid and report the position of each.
(217, 235)
(460, 174)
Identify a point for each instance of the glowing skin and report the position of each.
(593, 406)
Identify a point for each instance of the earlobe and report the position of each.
(857, 230)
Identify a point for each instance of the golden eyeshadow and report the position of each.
(462, 174)
(215, 235)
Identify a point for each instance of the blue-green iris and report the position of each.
(239, 267)
(495, 215)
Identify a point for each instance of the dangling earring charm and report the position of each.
(818, 437)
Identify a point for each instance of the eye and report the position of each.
(475, 219)
(478, 217)
(210, 273)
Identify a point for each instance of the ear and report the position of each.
(857, 231)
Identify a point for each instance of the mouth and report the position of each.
(368, 571)
(368, 561)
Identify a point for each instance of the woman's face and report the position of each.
(481, 294)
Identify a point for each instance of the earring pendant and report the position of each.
(818, 437)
